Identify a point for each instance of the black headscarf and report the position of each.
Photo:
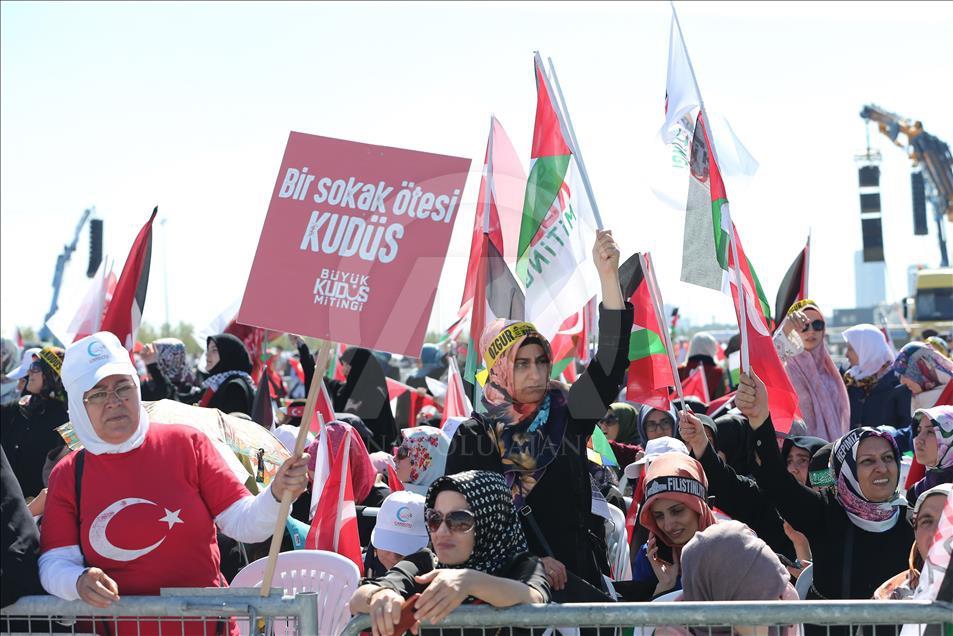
(365, 395)
(499, 535)
(232, 354)
(804, 442)
(736, 442)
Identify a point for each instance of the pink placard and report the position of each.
(353, 244)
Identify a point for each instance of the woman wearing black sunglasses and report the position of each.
(479, 553)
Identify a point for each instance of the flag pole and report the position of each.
(299, 449)
(807, 267)
(562, 113)
(742, 299)
(656, 294)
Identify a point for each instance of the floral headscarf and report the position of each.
(924, 365)
(427, 449)
(865, 514)
(942, 418)
(528, 436)
(170, 356)
(499, 535)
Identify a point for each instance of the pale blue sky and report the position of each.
(188, 106)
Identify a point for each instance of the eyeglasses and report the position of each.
(817, 325)
(652, 427)
(457, 520)
(123, 392)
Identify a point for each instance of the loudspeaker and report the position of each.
(873, 240)
(870, 202)
(869, 176)
(95, 246)
(919, 204)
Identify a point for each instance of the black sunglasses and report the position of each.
(817, 325)
(457, 520)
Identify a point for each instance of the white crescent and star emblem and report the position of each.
(102, 545)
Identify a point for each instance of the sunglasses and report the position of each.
(817, 325)
(35, 367)
(457, 520)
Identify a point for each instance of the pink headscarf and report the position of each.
(361, 469)
(822, 395)
(500, 385)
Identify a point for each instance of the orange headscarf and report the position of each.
(680, 477)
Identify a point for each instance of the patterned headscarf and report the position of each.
(865, 514)
(51, 363)
(528, 436)
(939, 345)
(822, 396)
(874, 355)
(942, 418)
(676, 476)
(499, 535)
(427, 449)
(170, 356)
(924, 365)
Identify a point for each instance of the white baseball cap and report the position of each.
(400, 524)
(93, 358)
(25, 361)
(654, 448)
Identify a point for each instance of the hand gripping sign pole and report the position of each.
(303, 429)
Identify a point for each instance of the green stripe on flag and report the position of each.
(559, 366)
(644, 343)
(721, 237)
(542, 187)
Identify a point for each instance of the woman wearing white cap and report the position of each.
(136, 510)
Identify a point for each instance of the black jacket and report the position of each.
(562, 499)
(849, 562)
(28, 440)
(887, 404)
(19, 572)
(235, 395)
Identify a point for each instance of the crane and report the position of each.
(928, 153)
(61, 261)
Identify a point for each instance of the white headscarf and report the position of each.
(88, 361)
(703, 343)
(873, 351)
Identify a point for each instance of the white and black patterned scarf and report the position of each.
(499, 535)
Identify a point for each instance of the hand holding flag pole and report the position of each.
(303, 429)
(742, 295)
(656, 294)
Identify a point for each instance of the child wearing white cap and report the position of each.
(400, 529)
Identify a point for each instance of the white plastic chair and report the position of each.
(804, 581)
(620, 562)
(331, 575)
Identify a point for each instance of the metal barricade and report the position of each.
(185, 611)
(748, 618)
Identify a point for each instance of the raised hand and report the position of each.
(752, 400)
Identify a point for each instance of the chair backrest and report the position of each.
(617, 540)
(331, 575)
(804, 581)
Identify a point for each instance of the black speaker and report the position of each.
(95, 246)
(873, 239)
(919, 204)
(870, 202)
(869, 176)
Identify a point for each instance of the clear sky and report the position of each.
(188, 106)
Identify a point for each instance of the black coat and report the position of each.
(562, 499)
(19, 572)
(235, 395)
(887, 404)
(849, 562)
(28, 440)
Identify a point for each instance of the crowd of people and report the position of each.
(695, 501)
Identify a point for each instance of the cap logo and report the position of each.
(404, 515)
(96, 351)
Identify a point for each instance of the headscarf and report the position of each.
(628, 418)
(362, 470)
(528, 436)
(498, 534)
(924, 365)
(645, 411)
(821, 393)
(804, 442)
(87, 361)
(50, 360)
(939, 345)
(170, 356)
(728, 562)
(233, 360)
(703, 344)
(427, 449)
(680, 477)
(366, 390)
(942, 418)
(865, 514)
(874, 355)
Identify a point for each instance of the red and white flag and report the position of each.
(88, 317)
(334, 525)
(124, 313)
(323, 409)
(696, 384)
(456, 403)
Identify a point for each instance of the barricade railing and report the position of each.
(830, 617)
(188, 611)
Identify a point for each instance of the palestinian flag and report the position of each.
(570, 343)
(650, 372)
(124, 313)
(559, 224)
(794, 285)
(713, 255)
